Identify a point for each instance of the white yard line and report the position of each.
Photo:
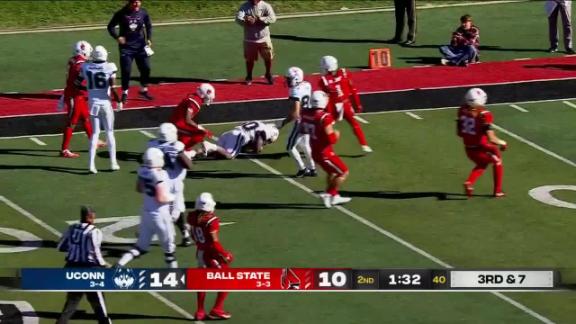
(519, 108)
(534, 145)
(398, 239)
(413, 115)
(360, 119)
(37, 141)
(288, 16)
(147, 134)
(54, 231)
(568, 103)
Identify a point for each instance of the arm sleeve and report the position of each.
(115, 21)
(148, 26)
(269, 17)
(353, 91)
(96, 243)
(240, 15)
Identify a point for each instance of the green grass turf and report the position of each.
(34, 62)
(276, 224)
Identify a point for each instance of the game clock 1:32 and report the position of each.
(412, 279)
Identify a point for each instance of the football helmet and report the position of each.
(100, 54)
(167, 132)
(328, 64)
(476, 97)
(272, 132)
(319, 99)
(207, 92)
(205, 202)
(294, 76)
(153, 158)
(82, 48)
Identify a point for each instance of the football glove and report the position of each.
(503, 146)
(359, 109)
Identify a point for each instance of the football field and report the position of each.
(408, 211)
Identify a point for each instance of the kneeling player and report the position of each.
(320, 125)
(209, 252)
(189, 131)
(249, 137)
(481, 143)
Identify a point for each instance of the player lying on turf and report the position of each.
(474, 126)
(176, 164)
(250, 137)
(319, 124)
(189, 131)
(209, 252)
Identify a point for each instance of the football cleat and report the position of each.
(366, 149)
(199, 316)
(311, 173)
(208, 148)
(124, 98)
(115, 167)
(339, 200)
(301, 173)
(269, 78)
(69, 155)
(93, 170)
(248, 80)
(444, 62)
(468, 190)
(326, 199)
(186, 241)
(219, 315)
(145, 95)
(499, 195)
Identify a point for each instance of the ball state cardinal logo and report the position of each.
(124, 278)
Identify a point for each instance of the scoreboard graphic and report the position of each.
(285, 279)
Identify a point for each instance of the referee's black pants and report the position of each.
(95, 298)
(127, 56)
(404, 8)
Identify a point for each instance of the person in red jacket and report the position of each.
(483, 147)
(75, 99)
(189, 131)
(338, 85)
(205, 225)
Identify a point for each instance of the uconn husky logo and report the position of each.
(124, 278)
(133, 24)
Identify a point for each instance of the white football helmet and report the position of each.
(82, 48)
(207, 92)
(319, 99)
(294, 76)
(100, 54)
(167, 132)
(205, 202)
(476, 97)
(272, 132)
(153, 158)
(328, 64)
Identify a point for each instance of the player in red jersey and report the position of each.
(189, 132)
(75, 99)
(474, 125)
(338, 85)
(319, 124)
(209, 252)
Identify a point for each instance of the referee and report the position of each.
(81, 242)
(133, 37)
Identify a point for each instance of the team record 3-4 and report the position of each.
(285, 279)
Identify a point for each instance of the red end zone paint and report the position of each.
(383, 80)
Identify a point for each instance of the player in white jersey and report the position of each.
(99, 75)
(299, 95)
(176, 164)
(249, 137)
(154, 184)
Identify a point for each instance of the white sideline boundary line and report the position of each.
(413, 115)
(399, 240)
(276, 119)
(360, 119)
(524, 110)
(147, 134)
(570, 104)
(54, 231)
(288, 16)
(37, 141)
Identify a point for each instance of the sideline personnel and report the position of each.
(81, 242)
(134, 41)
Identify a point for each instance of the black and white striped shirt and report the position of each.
(82, 243)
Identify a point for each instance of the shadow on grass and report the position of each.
(565, 67)
(168, 79)
(24, 96)
(83, 315)
(297, 38)
(60, 169)
(406, 195)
